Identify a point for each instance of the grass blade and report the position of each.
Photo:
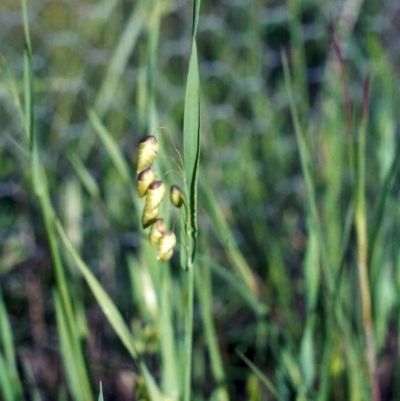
(11, 380)
(262, 377)
(105, 302)
(223, 232)
(306, 168)
(111, 312)
(204, 293)
(29, 377)
(191, 152)
(191, 143)
(6, 387)
(67, 350)
(101, 398)
(28, 77)
(111, 146)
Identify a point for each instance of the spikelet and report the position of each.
(145, 178)
(156, 231)
(176, 196)
(149, 216)
(147, 152)
(165, 246)
(167, 256)
(155, 194)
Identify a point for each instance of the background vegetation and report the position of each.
(298, 187)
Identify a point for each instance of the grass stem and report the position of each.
(362, 249)
(188, 333)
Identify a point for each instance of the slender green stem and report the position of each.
(63, 286)
(314, 220)
(204, 294)
(362, 252)
(188, 332)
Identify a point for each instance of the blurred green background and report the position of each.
(128, 61)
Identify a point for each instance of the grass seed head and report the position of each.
(165, 246)
(155, 194)
(149, 216)
(176, 196)
(147, 152)
(144, 180)
(156, 232)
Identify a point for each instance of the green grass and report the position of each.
(284, 283)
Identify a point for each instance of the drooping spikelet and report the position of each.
(165, 246)
(144, 180)
(156, 232)
(176, 196)
(149, 216)
(155, 194)
(147, 152)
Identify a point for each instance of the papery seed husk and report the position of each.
(149, 216)
(167, 256)
(155, 194)
(165, 245)
(144, 180)
(176, 196)
(147, 152)
(156, 232)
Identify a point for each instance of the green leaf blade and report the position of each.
(106, 304)
(191, 141)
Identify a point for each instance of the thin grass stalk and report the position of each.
(187, 379)
(101, 398)
(28, 77)
(34, 391)
(222, 230)
(238, 286)
(324, 373)
(170, 373)
(346, 101)
(39, 184)
(294, 9)
(191, 151)
(204, 291)
(263, 378)
(67, 349)
(152, 61)
(41, 189)
(63, 287)
(362, 249)
(112, 314)
(8, 348)
(387, 187)
(333, 313)
(306, 169)
(6, 336)
(116, 68)
(6, 386)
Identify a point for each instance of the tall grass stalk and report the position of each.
(10, 383)
(305, 160)
(204, 292)
(362, 248)
(346, 103)
(39, 183)
(191, 152)
(115, 70)
(113, 315)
